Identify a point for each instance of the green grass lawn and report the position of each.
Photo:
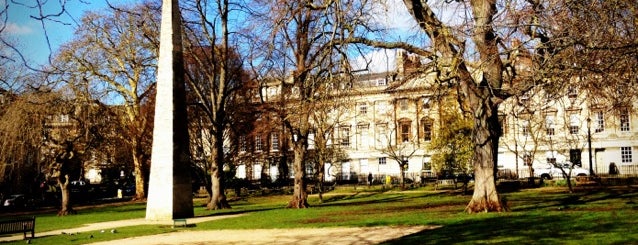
(544, 215)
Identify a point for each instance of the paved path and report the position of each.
(335, 235)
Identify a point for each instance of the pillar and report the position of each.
(169, 192)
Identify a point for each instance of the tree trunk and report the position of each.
(299, 196)
(218, 199)
(65, 205)
(402, 176)
(486, 136)
(531, 175)
(320, 176)
(138, 170)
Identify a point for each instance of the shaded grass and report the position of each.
(50, 221)
(97, 236)
(544, 215)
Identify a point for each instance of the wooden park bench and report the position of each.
(17, 225)
(444, 182)
(179, 223)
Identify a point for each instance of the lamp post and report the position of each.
(591, 169)
(404, 163)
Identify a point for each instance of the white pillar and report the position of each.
(169, 191)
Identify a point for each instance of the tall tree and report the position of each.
(306, 51)
(115, 52)
(480, 51)
(214, 71)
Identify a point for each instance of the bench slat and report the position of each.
(17, 225)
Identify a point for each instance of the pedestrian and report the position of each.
(613, 169)
(370, 179)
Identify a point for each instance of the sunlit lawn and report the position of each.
(544, 215)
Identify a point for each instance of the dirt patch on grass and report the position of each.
(337, 235)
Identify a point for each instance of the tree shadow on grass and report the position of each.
(582, 200)
(521, 229)
(374, 198)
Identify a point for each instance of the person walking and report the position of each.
(370, 179)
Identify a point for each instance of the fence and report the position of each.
(624, 171)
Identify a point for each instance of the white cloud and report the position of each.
(393, 15)
(376, 61)
(15, 29)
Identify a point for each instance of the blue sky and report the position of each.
(28, 33)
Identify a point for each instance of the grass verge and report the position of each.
(544, 215)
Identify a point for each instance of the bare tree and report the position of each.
(331, 109)
(496, 49)
(214, 74)
(46, 14)
(306, 52)
(115, 54)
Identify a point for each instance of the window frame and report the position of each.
(404, 104)
(383, 160)
(405, 127)
(363, 108)
(625, 123)
(344, 136)
(626, 154)
(600, 121)
(274, 141)
(258, 143)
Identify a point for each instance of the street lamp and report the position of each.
(591, 169)
(404, 160)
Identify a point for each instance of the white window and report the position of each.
(257, 171)
(382, 82)
(572, 92)
(427, 129)
(403, 104)
(624, 120)
(64, 118)
(363, 108)
(382, 106)
(344, 136)
(311, 141)
(345, 170)
(241, 171)
(527, 159)
(381, 135)
(425, 101)
(404, 126)
(625, 154)
(600, 121)
(382, 160)
(525, 128)
(258, 143)
(242, 143)
(574, 124)
(363, 166)
(549, 124)
(274, 141)
(362, 130)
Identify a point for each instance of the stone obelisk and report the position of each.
(169, 192)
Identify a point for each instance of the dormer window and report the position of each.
(572, 92)
(425, 101)
(403, 104)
